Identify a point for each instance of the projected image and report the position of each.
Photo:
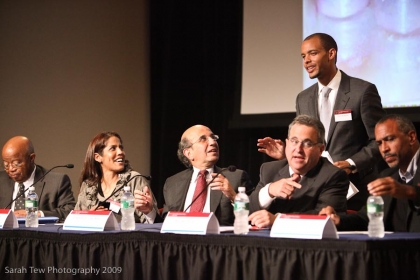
(378, 41)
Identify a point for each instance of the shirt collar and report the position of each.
(196, 171)
(333, 84)
(411, 169)
(30, 180)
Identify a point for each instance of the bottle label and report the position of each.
(127, 204)
(241, 206)
(375, 208)
(31, 203)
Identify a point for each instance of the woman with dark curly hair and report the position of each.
(105, 172)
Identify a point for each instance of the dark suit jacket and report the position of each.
(353, 139)
(176, 188)
(323, 185)
(360, 220)
(54, 192)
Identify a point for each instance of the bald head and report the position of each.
(193, 130)
(18, 158)
(20, 143)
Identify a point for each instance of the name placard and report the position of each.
(90, 221)
(190, 223)
(303, 227)
(8, 219)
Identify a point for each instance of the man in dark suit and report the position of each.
(354, 107)
(399, 185)
(54, 191)
(199, 150)
(304, 182)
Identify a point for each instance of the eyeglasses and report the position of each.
(204, 138)
(15, 164)
(307, 144)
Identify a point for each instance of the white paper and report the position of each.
(190, 223)
(8, 219)
(352, 188)
(90, 221)
(303, 227)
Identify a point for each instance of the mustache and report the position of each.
(389, 154)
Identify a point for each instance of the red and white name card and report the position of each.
(90, 221)
(8, 219)
(190, 223)
(342, 115)
(303, 227)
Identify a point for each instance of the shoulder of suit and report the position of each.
(41, 171)
(274, 164)
(328, 165)
(180, 174)
(389, 172)
(354, 80)
(308, 90)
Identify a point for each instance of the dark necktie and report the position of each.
(200, 191)
(296, 177)
(20, 202)
(326, 112)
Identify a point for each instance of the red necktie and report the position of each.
(296, 177)
(201, 192)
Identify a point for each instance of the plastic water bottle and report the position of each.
(31, 207)
(241, 210)
(375, 211)
(127, 210)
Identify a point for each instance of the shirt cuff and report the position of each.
(264, 197)
(349, 160)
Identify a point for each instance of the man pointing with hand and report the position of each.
(304, 182)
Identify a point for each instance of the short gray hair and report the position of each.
(311, 122)
(182, 145)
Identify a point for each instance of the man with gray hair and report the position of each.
(304, 182)
(189, 190)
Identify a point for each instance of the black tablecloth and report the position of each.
(148, 254)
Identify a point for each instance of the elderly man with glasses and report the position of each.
(304, 182)
(203, 186)
(54, 191)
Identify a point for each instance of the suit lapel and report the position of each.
(416, 178)
(313, 99)
(38, 174)
(283, 173)
(341, 101)
(309, 179)
(183, 185)
(8, 192)
(215, 196)
(410, 205)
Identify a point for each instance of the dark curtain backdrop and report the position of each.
(195, 75)
(196, 60)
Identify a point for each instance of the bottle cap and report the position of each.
(32, 188)
(126, 188)
(241, 189)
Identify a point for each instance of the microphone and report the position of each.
(105, 203)
(231, 168)
(42, 177)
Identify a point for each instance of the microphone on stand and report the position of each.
(42, 177)
(231, 168)
(106, 204)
